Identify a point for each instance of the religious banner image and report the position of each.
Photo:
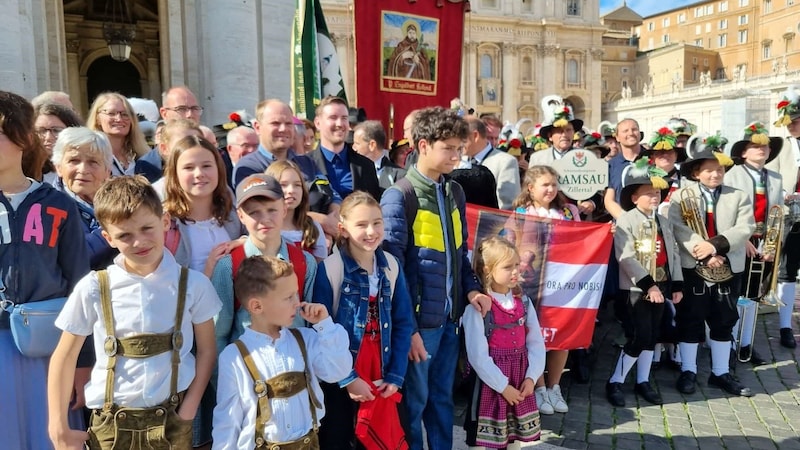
(562, 265)
(409, 53)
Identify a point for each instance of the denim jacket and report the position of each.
(395, 317)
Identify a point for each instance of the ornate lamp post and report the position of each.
(118, 30)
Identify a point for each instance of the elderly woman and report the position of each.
(50, 120)
(82, 159)
(113, 115)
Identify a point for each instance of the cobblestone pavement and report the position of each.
(709, 419)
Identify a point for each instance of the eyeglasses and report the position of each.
(42, 132)
(185, 109)
(123, 115)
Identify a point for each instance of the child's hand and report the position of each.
(613, 227)
(360, 391)
(69, 439)
(184, 415)
(82, 375)
(215, 255)
(313, 313)
(387, 389)
(526, 390)
(512, 395)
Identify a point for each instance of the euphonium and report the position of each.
(772, 247)
(690, 212)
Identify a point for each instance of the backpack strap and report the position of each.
(312, 397)
(298, 260)
(264, 411)
(410, 202)
(488, 320)
(237, 256)
(334, 270)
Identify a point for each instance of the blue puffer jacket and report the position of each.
(420, 247)
(395, 319)
(42, 248)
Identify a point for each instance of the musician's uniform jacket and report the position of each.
(632, 276)
(733, 214)
(787, 163)
(739, 178)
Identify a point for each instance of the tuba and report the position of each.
(692, 217)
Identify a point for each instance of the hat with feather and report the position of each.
(557, 114)
(607, 129)
(535, 140)
(789, 106)
(641, 172)
(512, 141)
(681, 127)
(701, 147)
(756, 133)
(594, 140)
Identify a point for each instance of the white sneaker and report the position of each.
(543, 402)
(557, 400)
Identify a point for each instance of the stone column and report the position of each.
(510, 82)
(595, 85)
(274, 39)
(471, 80)
(153, 87)
(17, 66)
(74, 76)
(549, 68)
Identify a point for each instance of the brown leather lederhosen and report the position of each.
(284, 385)
(116, 427)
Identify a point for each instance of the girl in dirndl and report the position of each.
(506, 351)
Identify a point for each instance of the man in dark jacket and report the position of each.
(369, 140)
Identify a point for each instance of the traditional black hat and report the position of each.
(756, 133)
(641, 172)
(701, 147)
(789, 106)
(557, 114)
(595, 141)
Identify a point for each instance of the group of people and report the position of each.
(284, 292)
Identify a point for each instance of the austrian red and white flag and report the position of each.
(563, 264)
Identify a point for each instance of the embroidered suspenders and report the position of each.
(281, 386)
(142, 345)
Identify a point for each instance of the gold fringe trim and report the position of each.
(560, 123)
(760, 139)
(723, 159)
(659, 183)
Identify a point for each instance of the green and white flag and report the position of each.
(316, 71)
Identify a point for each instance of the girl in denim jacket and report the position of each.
(374, 306)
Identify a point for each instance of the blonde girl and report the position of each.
(374, 306)
(113, 115)
(298, 228)
(506, 350)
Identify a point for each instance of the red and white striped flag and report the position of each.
(564, 265)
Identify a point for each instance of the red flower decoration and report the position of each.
(234, 116)
(754, 128)
(596, 135)
(515, 143)
(783, 104)
(664, 131)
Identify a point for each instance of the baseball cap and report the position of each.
(258, 185)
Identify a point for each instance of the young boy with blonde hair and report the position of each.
(145, 313)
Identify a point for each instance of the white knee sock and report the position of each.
(720, 353)
(643, 366)
(787, 292)
(688, 356)
(747, 322)
(624, 365)
(657, 352)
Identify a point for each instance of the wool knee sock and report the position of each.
(787, 292)
(657, 352)
(720, 354)
(624, 365)
(688, 356)
(643, 366)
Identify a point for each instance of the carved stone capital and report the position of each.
(510, 49)
(73, 45)
(597, 53)
(551, 49)
(471, 47)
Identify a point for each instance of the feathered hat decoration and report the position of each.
(237, 119)
(663, 139)
(457, 105)
(789, 106)
(556, 113)
(681, 127)
(607, 129)
(700, 143)
(593, 139)
(511, 139)
(757, 133)
(642, 168)
(145, 109)
(535, 140)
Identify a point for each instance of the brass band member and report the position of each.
(650, 272)
(787, 165)
(763, 187)
(712, 223)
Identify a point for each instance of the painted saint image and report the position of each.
(409, 59)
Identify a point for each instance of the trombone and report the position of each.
(692, 217)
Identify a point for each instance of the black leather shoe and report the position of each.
(615, 395)
(787, 338)
(686, 382)
(647, 392)
(755, 358)
(729, 384)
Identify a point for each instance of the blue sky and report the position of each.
(643, 7)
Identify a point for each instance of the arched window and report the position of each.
(573, 72)
(487, 66)
(527, 69)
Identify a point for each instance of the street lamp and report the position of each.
(118, 29)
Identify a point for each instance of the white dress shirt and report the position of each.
(140, 305)
(235, 413)
(478, 344)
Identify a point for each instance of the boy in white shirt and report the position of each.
(145, 312)
(268, 393)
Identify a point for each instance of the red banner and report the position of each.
(408, 56)
(563, 265)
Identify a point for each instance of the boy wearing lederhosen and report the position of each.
(715, 235)
(763, 188)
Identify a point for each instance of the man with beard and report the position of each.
(409, 59)
(628, 138)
